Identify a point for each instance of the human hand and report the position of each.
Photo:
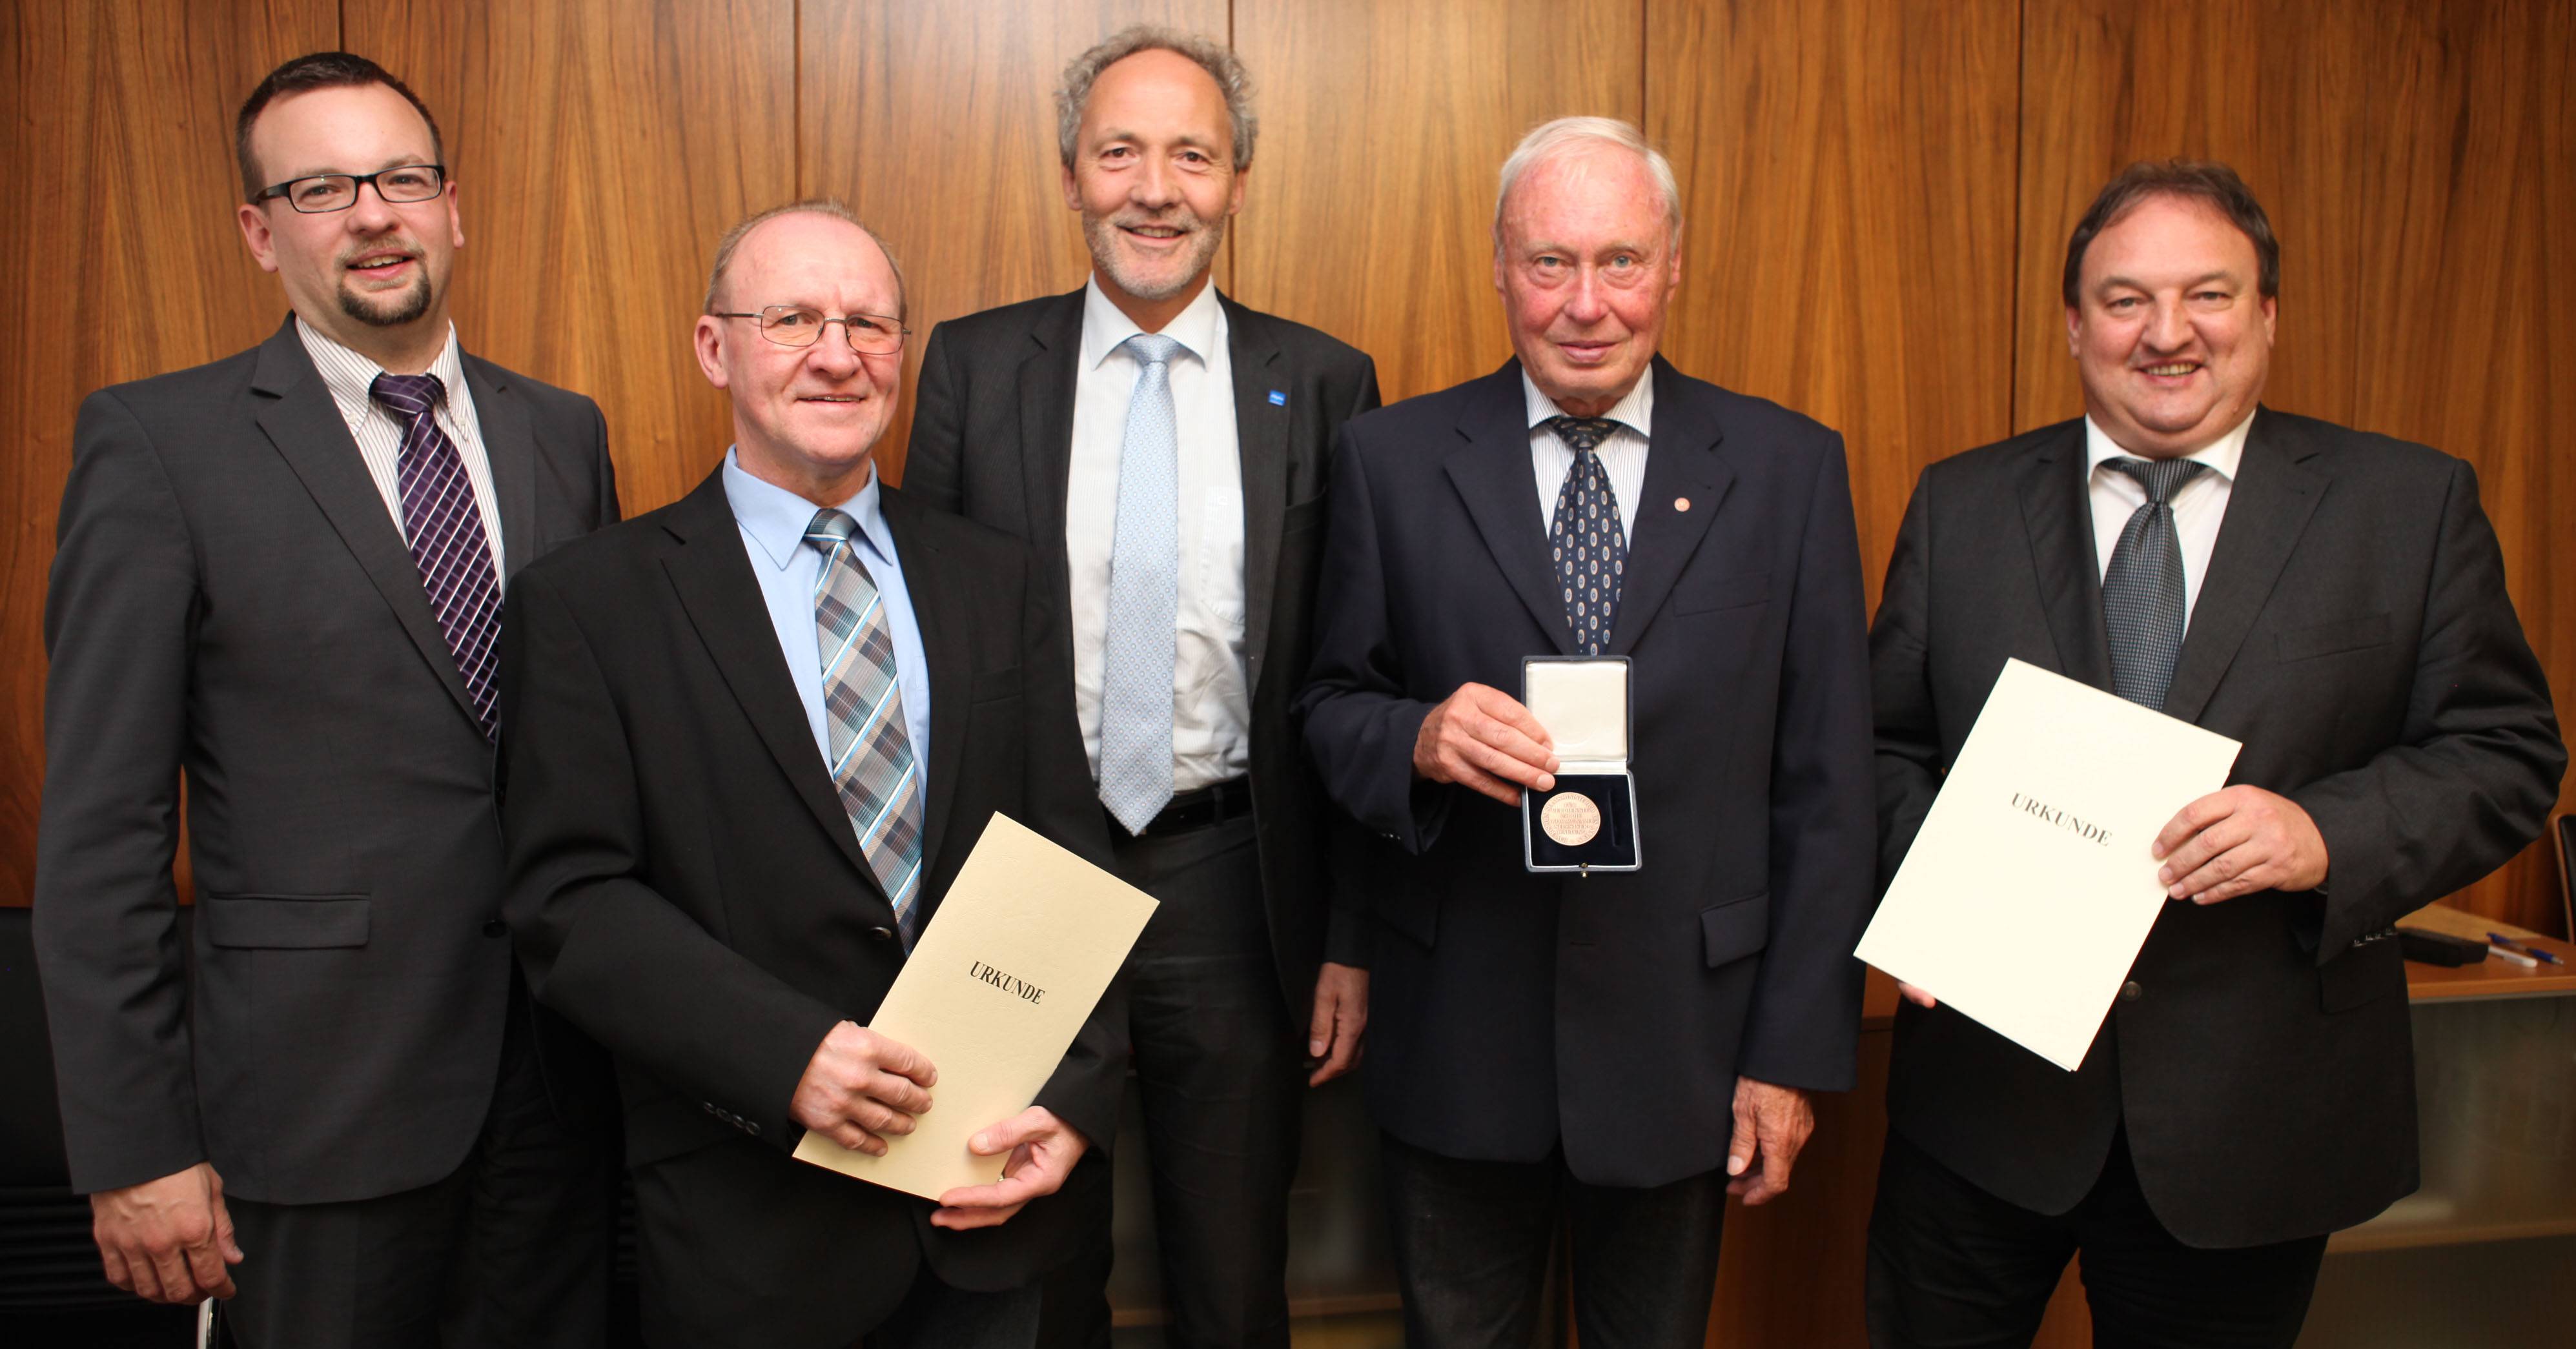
(167, 1240)
(1483, 739)
(1341, 1014)
(1771, 1125)
(860, 1085)
(2237, 841)
(1919, 996)
(1043, 1150)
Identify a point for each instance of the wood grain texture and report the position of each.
(937, 124)
(1847, 171)
(1370, 211)
(600, 148)
(118, 119)
(2416, 158)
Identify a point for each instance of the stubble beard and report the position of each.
(1102, 234)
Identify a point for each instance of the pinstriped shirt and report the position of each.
(379, 433)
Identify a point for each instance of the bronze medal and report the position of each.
(1570, 818)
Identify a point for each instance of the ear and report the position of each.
(455, 218)
(254, 227)
(707, 339)
(2074, 330)
(1072, 189)
(2271, 316)
(1498, 265)
(1234, 201)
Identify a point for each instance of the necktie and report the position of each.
(1144, 598)
(2142, 606)
(445, 531)
(1590, 553)
(872, 760)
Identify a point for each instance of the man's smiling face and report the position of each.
(376, 264)
(2170, 332)
(1153, 176)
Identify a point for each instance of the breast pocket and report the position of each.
(2326, 639)
(1696, 595)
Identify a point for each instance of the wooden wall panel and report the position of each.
(601, 147)
(2415, 158)
(125, 262)
(1848, 174)
(1370, 212)
(937, 124)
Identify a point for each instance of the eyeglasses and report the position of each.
(794, 325)
(325, 192)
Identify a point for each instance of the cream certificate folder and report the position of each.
(2026, 896)
(1020, 951)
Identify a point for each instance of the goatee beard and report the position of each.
(405, 308)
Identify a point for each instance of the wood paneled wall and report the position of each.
(1877, 195)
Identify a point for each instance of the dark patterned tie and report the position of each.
(872, 765)
(2142, 604)
(1590, 553)
(445, 531)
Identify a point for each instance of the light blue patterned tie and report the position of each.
(1144, 598)
(873, 768)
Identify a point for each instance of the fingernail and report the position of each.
(2164, 875)
(1314, 1049)
(983, 1141)
(1735, 1166)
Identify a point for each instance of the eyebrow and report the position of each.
(2219, 274)
(397, 162)
(1112, 135)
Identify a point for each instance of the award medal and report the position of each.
(1570, 818)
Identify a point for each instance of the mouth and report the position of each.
(380, 264)
(1586, 353)
(1155, 236)
(2170, 370)
(833, 399)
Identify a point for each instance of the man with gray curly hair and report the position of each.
(1164, 449)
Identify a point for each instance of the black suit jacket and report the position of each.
(688, 889)
(1510, 1011)
(992, 439)
(230, 597)
(2353, 631)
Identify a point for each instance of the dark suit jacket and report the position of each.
(688, 889)
(230, 597)
(1510, 1011)
(992, 439)
(2353, 631)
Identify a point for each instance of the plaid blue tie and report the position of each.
(2142, 594)
(1590, 552)
(1144, 598)
(445, 531)
(872, 758)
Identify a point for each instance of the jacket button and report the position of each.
(494, 927)
(753, 1126)
(2130, 992)
(881, 934)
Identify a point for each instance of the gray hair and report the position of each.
(824, 206)
(1550, 139)
(1074, 93)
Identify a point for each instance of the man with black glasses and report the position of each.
(281, 575)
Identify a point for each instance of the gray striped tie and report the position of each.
(2142, 595)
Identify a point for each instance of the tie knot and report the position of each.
(409, 395)
(1582, 433)
(2161, 477)
(1153, 348)
(829, 529)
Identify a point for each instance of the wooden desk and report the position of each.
(2489, 978)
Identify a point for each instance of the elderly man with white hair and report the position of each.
(1619, 1048)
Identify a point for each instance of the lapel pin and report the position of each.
(1279, 398)
(1681, 503)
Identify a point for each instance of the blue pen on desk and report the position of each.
(2525, 948)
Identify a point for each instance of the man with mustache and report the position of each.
(1164, 449)
(2333, 599)
(281, 575)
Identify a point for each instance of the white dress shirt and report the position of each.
(1623, 455)
(2199, 507)
(350, 376)
(1211, 704)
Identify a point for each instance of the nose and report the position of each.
(1585, 303)
(1154, 187)
(834, 356)
(2168, 328)
(370, 212)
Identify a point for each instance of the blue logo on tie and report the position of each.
(1278, 398)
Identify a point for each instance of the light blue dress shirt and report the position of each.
(773, 522)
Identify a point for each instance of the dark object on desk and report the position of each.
(2563, 830)
(2439, 948)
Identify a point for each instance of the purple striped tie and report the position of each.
(446, 533)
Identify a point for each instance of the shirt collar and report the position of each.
(1634, 410)
(351, 376)
(2222, 455)
(776, 518)
(1106, 327)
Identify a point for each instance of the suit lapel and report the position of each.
(1492, 475)
(1682, 462)
(510, 445)
(1261, 440)
(305, 427)
(2267, 508)
(943, 642)
(723, 601)
(2059, 519)
(1046, 389)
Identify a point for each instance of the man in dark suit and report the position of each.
(1183, 549)
(763, 728)
(2334, 600)
(1546, 1044)
(280, 574)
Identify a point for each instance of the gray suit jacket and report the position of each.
(231, 599)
